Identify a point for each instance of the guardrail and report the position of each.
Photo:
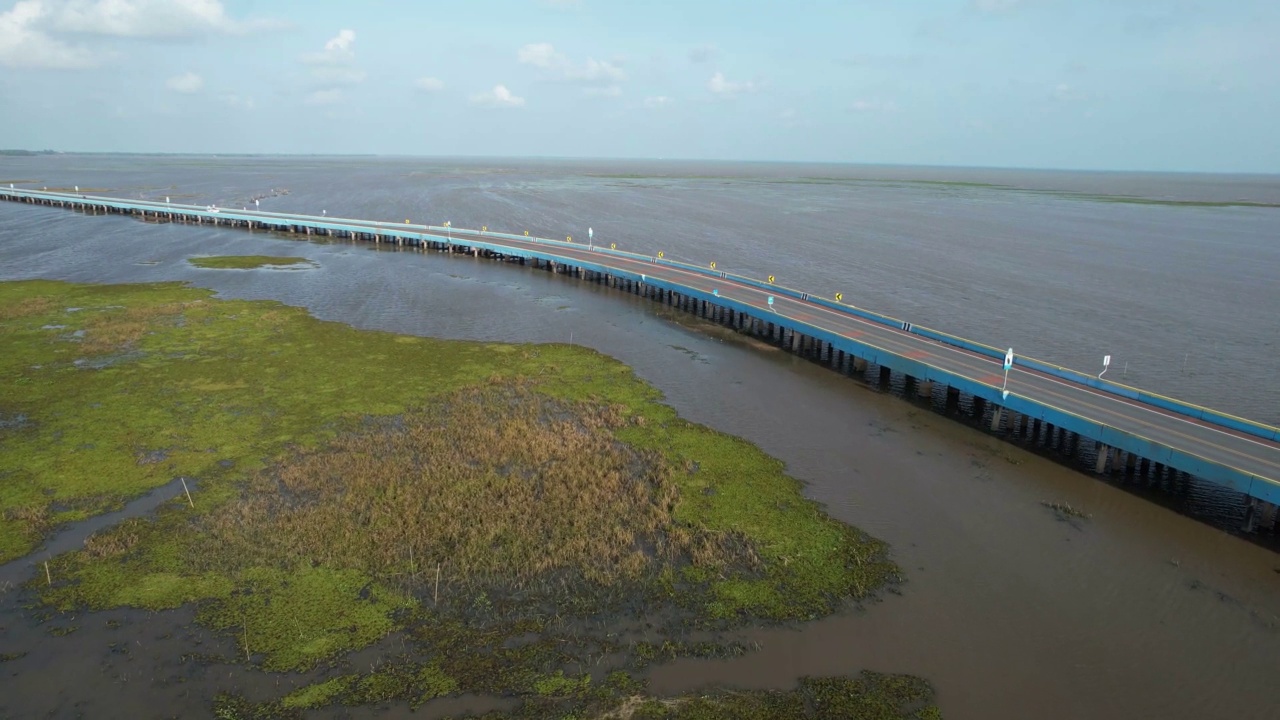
(414, 231)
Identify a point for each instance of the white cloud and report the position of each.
(541, 55)
(330, 96)
(545, 57)
(607, 91)
(657, 101)
(724, 88)
(333, 68)
(703, 53)
(237, 101)
(30, 30)
(187, 83)
(498, 97)
(429, 84)
(338, 50)
(595, 71)
(873, 105)
(148, 18)
(341, 42)
(24, 45)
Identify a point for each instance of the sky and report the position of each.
(1161, 85)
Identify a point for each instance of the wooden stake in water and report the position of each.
(48, 575)
(437, 595)
(188, 492)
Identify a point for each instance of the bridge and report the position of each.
(1120, 429)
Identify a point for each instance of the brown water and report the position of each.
(1136, 612)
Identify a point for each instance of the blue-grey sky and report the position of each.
(1115, 84)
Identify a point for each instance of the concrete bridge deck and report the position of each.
(1127, 426)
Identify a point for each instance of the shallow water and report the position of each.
(1182, 297)
(1136, 612)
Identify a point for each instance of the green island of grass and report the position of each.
(530, 521)
(246, 262)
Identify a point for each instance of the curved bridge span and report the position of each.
(1123, 429)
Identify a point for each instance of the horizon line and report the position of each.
(22, 152)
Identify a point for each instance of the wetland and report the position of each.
(531, 522)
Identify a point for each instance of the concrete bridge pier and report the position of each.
(979, 407)
(1100, 465)
(859, 365)
(1252, 509)
(1268, 516)
(924, 389)
(953, 400)
(996, 416)
(885, 376)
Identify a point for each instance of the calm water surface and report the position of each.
(1138, 612)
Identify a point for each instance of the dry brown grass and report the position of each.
(500, 486)
(27, 307)
(118, 541)
(35, 517)
(119, 330)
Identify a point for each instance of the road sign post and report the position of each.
(1008, 363)
(1106, 363)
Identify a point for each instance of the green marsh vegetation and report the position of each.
(247, 262)
(512, 520)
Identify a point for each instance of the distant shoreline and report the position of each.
(670, 161)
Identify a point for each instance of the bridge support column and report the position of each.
(924, 389)
(1250, 515)
(1269, 516)
(953, 400)
(997, 415)
(979, 406)
(859, 365)
(1013, 424)
(886, 375)
(1100, 466)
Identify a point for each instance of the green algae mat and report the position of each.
(529, 521)
(247, 262)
